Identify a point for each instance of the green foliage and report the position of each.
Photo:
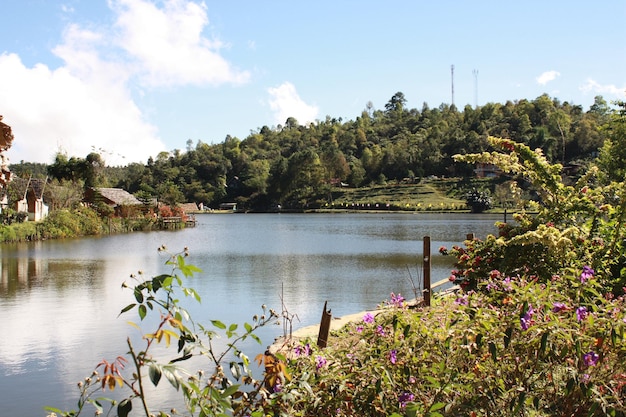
(516, 348)
(10, 216)
(575, 225)
(295, 166)
(479, 200)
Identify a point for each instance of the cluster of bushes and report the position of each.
(75, 222)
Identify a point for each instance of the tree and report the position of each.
(396, 103)
(612, 157)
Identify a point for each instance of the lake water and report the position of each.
(60, 300)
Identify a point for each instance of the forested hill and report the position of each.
(295, 165)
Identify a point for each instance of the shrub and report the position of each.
(517, 347)
(575, 225)
(479, 200)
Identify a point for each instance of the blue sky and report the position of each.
(132, 78)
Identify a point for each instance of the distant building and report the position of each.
(121, 201)
(32, 202)
(483, 170)
(228, 206)
(190, 207)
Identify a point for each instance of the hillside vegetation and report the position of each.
(299, 166)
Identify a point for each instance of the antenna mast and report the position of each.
(452, 81)
(475, 72)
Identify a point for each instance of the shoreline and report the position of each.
(285, 344)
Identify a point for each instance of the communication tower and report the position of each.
(475, 72)
(452, 81)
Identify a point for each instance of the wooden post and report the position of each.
(426, 270)
(322, 337)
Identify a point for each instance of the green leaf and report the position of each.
(172, 377)
(255, 337)
(232, 327)
(128, 307)
(218, 324)
(437, 406)
(235, 369)
(493, 351)
(248, 327)
(138, 295)
(230, 390)
(544, 343)
(507, 337)
(142, 311)
(124, 408)
(155, 374)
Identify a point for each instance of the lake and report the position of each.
(60, 300)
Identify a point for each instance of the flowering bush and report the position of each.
(575, 225)
(515, 347)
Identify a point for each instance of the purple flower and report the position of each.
(586, 274)
(303, 350)
(405, 398)
(397, 300)
(558, 307)
(462, 301)
(320, 362)
(368, 318)
(393, 356)
(581, 313)
(526, 319)
(359, 329)
(380, 330)
(591, 358)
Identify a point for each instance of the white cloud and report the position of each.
(592, 86)
(169, 46)
(547, 76)
(285, 102)
(53, 110)
(87, 104)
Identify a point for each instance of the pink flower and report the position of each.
(368, 318)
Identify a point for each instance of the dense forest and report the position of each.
(296, 165)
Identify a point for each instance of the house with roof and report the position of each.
(123, 203)
(31, 202)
